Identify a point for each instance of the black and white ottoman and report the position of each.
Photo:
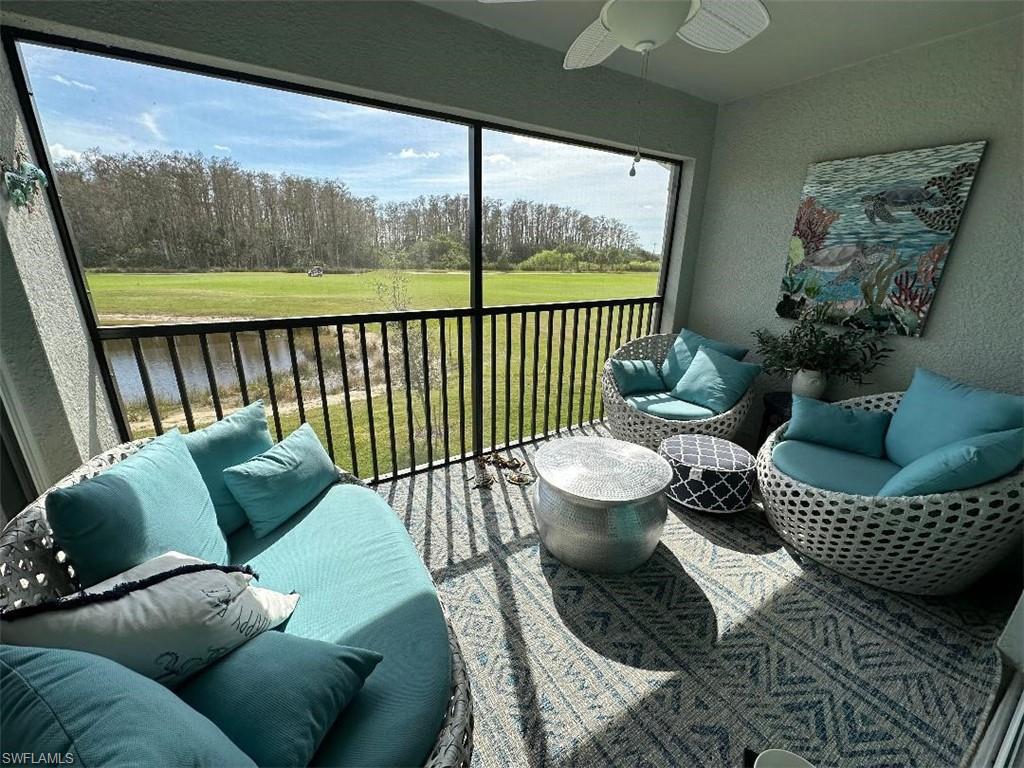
(709, 474)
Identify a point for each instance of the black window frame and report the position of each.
(11, 36)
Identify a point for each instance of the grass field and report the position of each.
(557, 387)
(128, 297)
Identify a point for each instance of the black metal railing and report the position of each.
(389, 393)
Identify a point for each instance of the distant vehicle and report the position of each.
(315, 272)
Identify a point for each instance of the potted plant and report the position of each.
(810, 354)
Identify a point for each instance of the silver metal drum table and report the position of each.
(599, 503)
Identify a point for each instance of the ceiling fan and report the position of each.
(719, 26)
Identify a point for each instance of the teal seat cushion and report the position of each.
(832, 469)
(664, 406)
(683, 350)
(94, 712)
(937, 411)
(965, 464)
(363, 585)
(715, 380)
(277, 696)
(632, 376)
(150, 503)
(223, 444)
(849, 429)
(278, 483)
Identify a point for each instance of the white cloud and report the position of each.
(222, 147)
(148, 121)
(497, 158)
(411, 154)
(59, 152)
(72, 83)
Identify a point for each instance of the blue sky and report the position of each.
(87, 101)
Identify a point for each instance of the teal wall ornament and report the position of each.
(22, 180)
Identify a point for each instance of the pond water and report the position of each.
(193, 369)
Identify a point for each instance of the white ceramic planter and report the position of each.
(809, 383)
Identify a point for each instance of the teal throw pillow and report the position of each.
(965, 464)
(92, 711)
(715, 380)
(224, 444)
(684, 349)
(152, 502)
(278, 483)
(635, 376)
(278, 695)
(937, 411)
(848, 429)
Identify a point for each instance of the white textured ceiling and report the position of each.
(806, 38)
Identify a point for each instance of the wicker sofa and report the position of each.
(627, 423)
(33, 568)
(922, 545)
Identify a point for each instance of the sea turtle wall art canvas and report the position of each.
(872, 236)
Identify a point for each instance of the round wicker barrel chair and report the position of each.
(33, 568)
(921, 545)
(627, 423)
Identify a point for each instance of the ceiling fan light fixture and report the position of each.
(643, 25)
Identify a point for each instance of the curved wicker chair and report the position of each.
(921, 545)
(33, 568)
(627, 423)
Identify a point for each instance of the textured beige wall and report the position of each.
(964, 88)
(48, 373)
(415, 55)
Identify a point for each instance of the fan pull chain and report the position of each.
(639, 114)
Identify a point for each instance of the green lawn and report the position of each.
(127, 297)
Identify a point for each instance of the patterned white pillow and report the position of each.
(166, 618)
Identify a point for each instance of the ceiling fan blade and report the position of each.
(721, 26)
(495, 2)
(594, 45)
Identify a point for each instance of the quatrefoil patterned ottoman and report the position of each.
(709, 474)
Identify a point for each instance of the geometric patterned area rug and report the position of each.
(723, 641)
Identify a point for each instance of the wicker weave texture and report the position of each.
(33, 568)
(921, 545)
(627, 423)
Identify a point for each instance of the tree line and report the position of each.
(190, 213)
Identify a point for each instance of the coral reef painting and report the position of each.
(872, 235)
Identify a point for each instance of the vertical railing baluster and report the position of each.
(323, 392)
(462, 387)
(348, 400)
(618, 326)
(239, 368)
(607, 350)
(561, 371)
(572, 365)
(426, 392)
(172, 350)
(386, 359)
(508, 376)
(520, 404)
(210, 376)
(367, 388)
(410, 423)
(640, 320)
(629, 324)
(597, 362)
(536, 367)
(442, 325)
(547, 369)
(583, 367)
(295, 375)
(147, 387)
(268, 369)
(494, 380)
